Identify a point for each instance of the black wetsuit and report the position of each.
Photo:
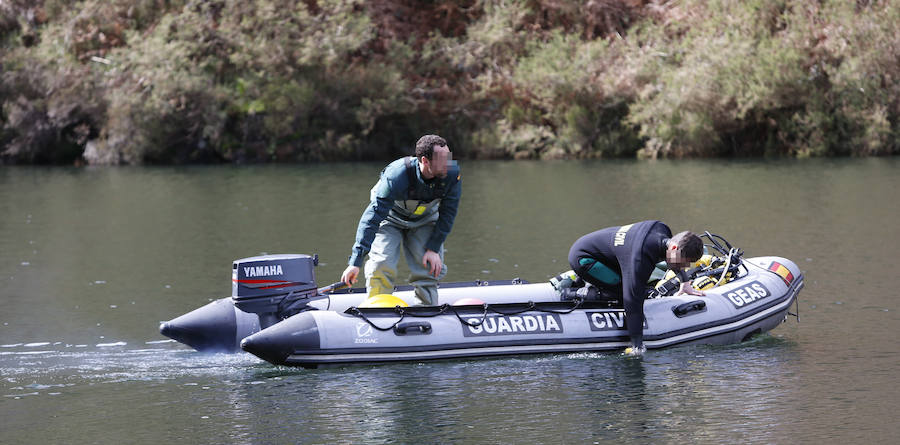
(632, 251)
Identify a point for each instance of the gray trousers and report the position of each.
(381, 267)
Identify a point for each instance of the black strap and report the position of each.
(530, 306)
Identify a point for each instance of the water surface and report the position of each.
(92, 259)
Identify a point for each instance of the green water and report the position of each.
(92, 259)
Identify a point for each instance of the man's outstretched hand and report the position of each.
(432, 261)
(687, 289)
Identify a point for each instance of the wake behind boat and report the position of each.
(284, 319)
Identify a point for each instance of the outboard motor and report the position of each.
(264, 290)
(273, 286)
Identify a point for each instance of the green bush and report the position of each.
(175, 81)
(761, 77)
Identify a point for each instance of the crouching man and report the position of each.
(620, 260)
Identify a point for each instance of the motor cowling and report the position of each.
(272, 285)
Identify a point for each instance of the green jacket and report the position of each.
(404, 197)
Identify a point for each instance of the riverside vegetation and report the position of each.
(180, 81)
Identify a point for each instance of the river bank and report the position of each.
(107, 82)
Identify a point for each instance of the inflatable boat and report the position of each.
(310, 327)
(268, 289)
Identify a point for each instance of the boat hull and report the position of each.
(731, 313)
(220, 326)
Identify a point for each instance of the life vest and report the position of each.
(419, 204)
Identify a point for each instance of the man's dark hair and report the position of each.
(425, 145)
(690, 245)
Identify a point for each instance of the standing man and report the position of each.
(624, 257)
(411, 207)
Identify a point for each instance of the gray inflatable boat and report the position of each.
(755, 303)
(277, 313)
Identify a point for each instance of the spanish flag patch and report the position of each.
(782, 271)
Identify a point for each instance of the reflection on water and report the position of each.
(91, 260)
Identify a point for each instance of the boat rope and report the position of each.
(485, 306)
(796, 312)
(355, 311)
(442, 309)
(402, 312)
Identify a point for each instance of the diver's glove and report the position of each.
(634, 351)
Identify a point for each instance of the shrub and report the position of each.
(160, 81)
(50, 109)
(750, 78)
